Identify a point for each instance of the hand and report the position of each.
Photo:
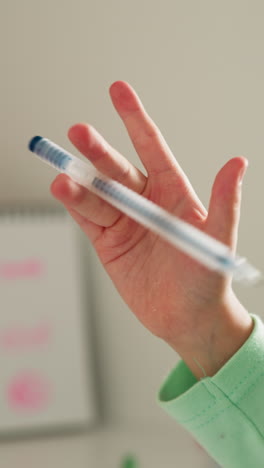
(190, 307)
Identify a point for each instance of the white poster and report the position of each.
(45, 365)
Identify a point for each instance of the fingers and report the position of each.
(83, 202)
(108, 161)
(145, 135)
(224, 209)
(105, 158)
(152, 148)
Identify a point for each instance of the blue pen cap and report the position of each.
(33, 142)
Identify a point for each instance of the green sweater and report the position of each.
(225, 413)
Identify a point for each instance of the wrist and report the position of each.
(219, 337)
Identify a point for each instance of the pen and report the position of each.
(195, 243)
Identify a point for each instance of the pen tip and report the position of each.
(33, 142)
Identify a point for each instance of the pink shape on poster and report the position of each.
(17, 337)
(28, 391)
(15, 269)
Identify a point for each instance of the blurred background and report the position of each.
(198, 67)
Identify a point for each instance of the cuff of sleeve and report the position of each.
(191, 401)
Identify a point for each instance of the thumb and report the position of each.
(224, 208)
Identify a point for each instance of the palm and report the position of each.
(163, 287)
(157, 281)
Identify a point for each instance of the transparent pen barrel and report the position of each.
(81, 172)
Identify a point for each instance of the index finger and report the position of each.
(147, 139)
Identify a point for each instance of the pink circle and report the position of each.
(28, 391)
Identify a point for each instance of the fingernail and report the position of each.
(242, 173)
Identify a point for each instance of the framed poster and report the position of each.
(45, 361)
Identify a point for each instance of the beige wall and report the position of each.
(199, 68)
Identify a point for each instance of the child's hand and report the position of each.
(192, 308)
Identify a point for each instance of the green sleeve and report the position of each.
(225, 413)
